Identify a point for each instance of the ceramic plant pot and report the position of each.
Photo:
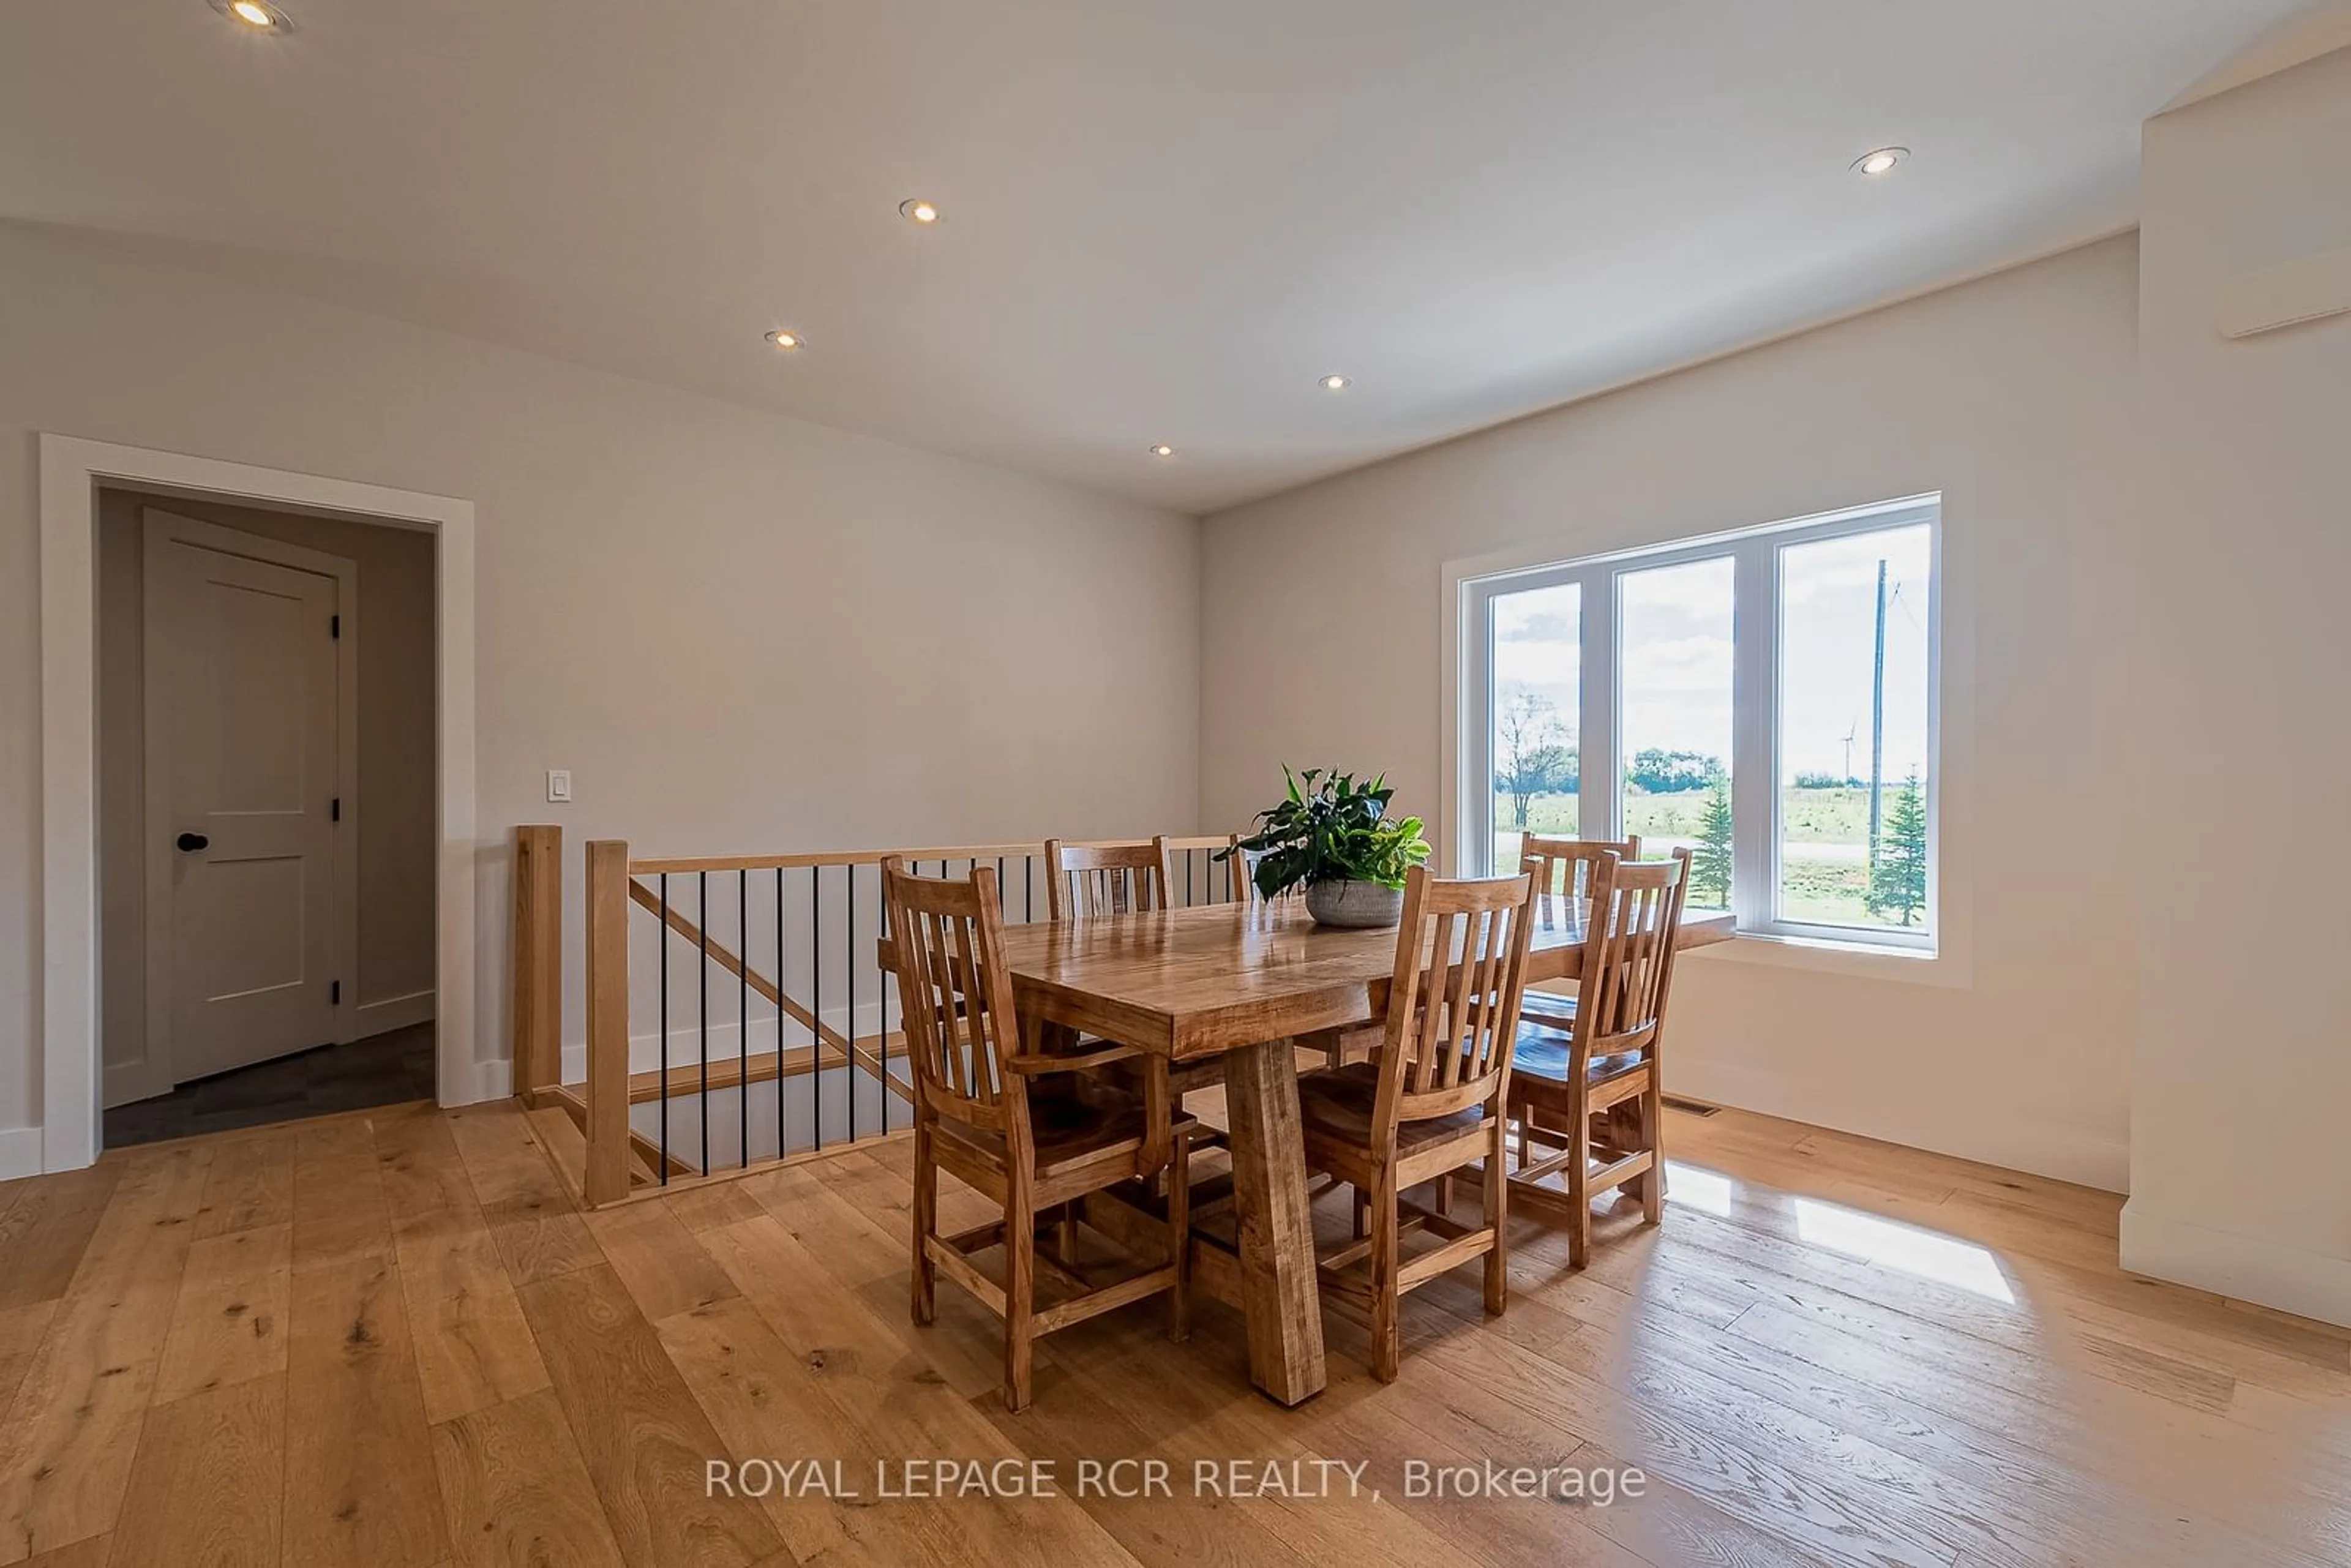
(1355, 905)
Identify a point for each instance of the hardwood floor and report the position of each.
(387, 1338)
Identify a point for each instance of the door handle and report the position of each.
(189, 843)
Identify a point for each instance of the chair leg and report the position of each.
(1496, 1217)
(1179, 1237)
(1444, 1194)
(1359, 1204)
(1653, 1138)
(1019, 1293)
(927, 1224)
(1385, 1348)
(1578, 1138)
(1065, 1235)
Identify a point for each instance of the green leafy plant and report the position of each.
(1331, 828)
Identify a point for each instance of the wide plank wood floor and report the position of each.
(388, 1338)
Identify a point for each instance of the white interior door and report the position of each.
(243, 768)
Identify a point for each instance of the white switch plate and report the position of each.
(558, 784)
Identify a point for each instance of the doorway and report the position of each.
(74, 471)
(266, 709)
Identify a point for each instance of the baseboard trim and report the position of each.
(490, 1080)
(20, 1152)
(392, 1012)
(2245, 1268)
(2060, 1154)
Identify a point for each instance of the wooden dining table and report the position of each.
(1245, 981)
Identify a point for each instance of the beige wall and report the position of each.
(2013, 397)
(2240, 1168)
(391, 818)
(739, 631)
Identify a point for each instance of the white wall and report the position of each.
(739, 631)
(390, 821)
(2241, 1167)
(2013, 397)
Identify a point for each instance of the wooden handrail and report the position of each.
(538, 959)
(690, 863)
(618, 1159)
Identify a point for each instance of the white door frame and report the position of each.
(159, 1068)
(71, 470)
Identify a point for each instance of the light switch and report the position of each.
(558, 784)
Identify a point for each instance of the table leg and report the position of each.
(1277, 1228)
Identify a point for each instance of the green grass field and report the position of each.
(1825, 861)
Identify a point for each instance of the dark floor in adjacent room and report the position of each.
(381, 1070)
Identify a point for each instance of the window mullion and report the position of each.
(1754, 740)
(1475, 850)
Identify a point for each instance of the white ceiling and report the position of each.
(1162, 221)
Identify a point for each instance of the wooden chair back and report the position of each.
(1564, 869)
(955, 994)
(1083, 880)
(1243, 864)
(1453, 999)
(1637, 914)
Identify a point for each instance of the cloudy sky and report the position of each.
(1674, 667)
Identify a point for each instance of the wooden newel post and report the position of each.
(538, 959)
(608, 1020)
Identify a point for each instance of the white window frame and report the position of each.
(1755, 708)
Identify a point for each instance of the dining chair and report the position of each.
(1084, 880)
(983, 1114)
(1566, 1082)
(1244, 863)
(1562, 872)
(1430, 1101)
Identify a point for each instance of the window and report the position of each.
(1764, 699)
(1537, 662)
(1675, 626)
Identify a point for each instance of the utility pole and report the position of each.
(1877, 726)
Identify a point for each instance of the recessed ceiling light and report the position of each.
(1332, 383)
(920, 210)
(1162, 450)
(782, 340)
(1885, 160)
(258, 15)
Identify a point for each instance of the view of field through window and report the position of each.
(1673, 723)
(1853, 729)
(1852, 722)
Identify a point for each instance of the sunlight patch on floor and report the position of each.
(1906, 1247)
(1697, 1188)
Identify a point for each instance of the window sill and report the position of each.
(1864, 961)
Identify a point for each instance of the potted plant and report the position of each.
(1335, 836)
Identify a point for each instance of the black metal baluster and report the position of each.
(779, 1012)
(663, 952)
(848, 965)
(702, 910)
(816, 1001)
(1188, 879)
(742, 1012)
(1028, 889)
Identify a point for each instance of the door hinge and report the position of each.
(334, 993)
(335, 627)
(335, 810)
